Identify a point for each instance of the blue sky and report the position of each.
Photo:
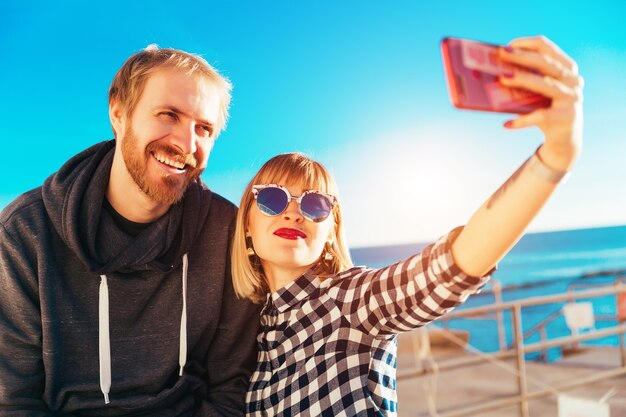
(359, 85)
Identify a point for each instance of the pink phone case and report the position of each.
(472, 69)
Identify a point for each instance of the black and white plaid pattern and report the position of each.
(328, 347)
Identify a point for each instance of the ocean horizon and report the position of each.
(539, 256)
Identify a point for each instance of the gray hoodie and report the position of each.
(89, 314)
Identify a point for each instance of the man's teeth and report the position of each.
(169, 162)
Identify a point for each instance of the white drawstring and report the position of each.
(182, 355)
(104, 342)
(104, 339)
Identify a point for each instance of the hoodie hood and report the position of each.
(74, 197)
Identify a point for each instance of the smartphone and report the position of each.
(472, 70)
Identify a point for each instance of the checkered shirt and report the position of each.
(328, 347)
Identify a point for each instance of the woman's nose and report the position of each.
(292, 211)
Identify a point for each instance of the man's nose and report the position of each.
(185, 139)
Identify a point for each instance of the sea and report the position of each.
(539, 264)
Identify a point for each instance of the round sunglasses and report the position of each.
(273, 199)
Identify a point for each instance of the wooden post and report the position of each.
(621, 318)
(622, 349)
(544, 337)
(521, 361)
(497, 294)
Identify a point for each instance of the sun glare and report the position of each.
(411, 189)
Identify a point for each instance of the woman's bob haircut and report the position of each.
(285, 169)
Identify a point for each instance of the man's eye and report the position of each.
(169, 115)
(204, 131)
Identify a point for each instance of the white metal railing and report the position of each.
(519, 348)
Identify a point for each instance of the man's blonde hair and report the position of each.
(130, 81)
(292, 168)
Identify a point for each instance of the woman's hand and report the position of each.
(558, 79)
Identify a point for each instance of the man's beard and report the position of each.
(166, 189)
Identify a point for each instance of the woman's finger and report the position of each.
(545, 64)
(544, 85)
(545, 46)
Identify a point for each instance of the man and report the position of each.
(116, 297)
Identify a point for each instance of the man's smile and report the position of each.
(169, 162)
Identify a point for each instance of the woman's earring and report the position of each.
(249, 248)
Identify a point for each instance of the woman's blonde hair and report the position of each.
(295, 168)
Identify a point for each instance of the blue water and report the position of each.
(540, 264)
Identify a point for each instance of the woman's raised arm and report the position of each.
(497, 225)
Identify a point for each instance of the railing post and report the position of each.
(620, 320)
(497, 294)
(622, 349)
(544, 336)
(521, 361)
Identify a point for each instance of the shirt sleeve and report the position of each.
(407, 294)
(21, 363)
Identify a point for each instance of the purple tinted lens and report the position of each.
(272, 201)
(315, 207)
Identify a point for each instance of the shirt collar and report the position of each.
(295, 292)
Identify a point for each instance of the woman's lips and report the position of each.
(288, 233)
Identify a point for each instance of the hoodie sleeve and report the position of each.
(235, 340)
(21, 363)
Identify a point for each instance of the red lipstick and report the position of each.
(288, 233)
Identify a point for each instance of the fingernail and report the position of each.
(507, 74)
(508, 124)
(509, 49)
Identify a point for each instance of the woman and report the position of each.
(327, 341)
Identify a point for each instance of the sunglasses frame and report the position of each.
(258, 187)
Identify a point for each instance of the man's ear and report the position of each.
(117, 116)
